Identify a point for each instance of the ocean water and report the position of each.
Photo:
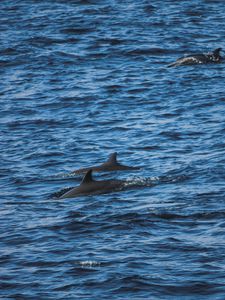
(79, 81)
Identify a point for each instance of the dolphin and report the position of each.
(110, 165)
(89, 186)
(202, 58)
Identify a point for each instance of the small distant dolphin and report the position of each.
(110, 165)
(89, 186)
(203, 58)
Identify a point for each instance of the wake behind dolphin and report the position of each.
(202, 58)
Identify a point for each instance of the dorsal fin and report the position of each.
(87, 177)
(216, 52)
(112, 160)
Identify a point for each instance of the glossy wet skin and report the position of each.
(89, 186)
(96, 187)
(103, 168)
(110, 165)
(213, 57)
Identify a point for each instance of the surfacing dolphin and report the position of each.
(202, 58)
(89, 186)
(110, 165)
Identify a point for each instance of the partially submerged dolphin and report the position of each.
(110, 165)
(203, 58)
(89, 186)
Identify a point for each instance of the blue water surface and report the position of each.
(79, 81)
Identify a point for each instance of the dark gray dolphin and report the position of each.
(89, 186)
(110, 165)
(203, 58)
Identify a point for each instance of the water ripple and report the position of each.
(83, 79)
